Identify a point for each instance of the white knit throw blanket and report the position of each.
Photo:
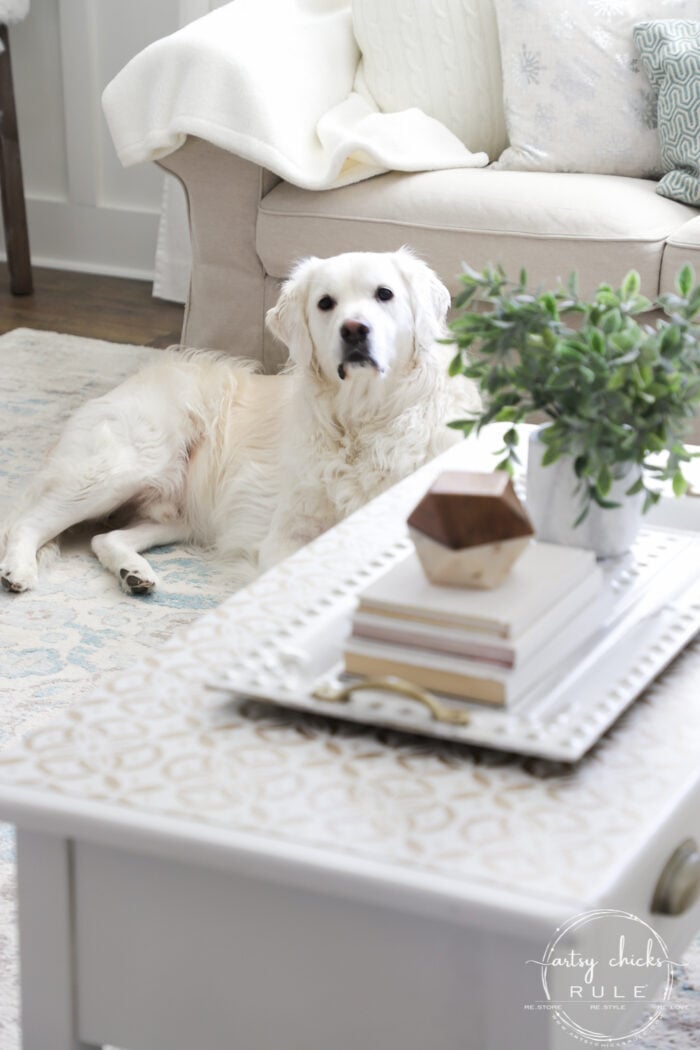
(272, 81)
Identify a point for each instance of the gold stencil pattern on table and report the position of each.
(154, 740)
(447, 809)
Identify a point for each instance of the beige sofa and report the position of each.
(328, 93)
(248, 227)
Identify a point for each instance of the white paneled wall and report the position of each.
(86, 212)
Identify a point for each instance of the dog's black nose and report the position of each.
(354, 333)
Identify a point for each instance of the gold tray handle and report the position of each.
(455, 716)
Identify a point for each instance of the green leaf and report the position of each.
(617, 379)
(606, 504)
(640, 304)
(650, 500)
(455, 365)
(464, 297)
(631, 285)
(634, 489)
(550, 304)
(623, 341)
(611, 321)
(604, 480)
(636, 376)
(685, 279)
(680, 485)
(647, 374)
(606, 297)
(596, 341)
(469, 274)
(550, 456)
(583, 515)
(508, 414)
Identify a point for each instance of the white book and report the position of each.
(476, 679)
(538, 581)
(561, 619)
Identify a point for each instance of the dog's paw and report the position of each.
(137, 580)
(18, 578)
(17, 583)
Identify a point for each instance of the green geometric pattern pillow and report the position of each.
(670, 54)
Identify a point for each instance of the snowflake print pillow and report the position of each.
(576, 96)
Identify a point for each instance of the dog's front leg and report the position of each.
(119, 551)
(54, 504)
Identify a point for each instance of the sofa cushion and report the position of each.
(682, 247)
(599, 225)
(442, 57)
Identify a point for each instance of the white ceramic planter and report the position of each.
(554, 505)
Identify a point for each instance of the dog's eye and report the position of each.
(384, 294)
(326, 303)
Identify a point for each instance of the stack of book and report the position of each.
(491, 646)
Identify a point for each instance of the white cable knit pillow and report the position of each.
(576, 97)
(441, 56)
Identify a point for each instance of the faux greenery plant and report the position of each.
(617, 390)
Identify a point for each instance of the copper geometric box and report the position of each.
(470, 528)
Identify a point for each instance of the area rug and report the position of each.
(78, 624)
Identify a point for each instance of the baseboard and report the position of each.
(109, 240)
(82, 266)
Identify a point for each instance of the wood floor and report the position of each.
(113, 308)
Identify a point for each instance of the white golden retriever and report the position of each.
(199, 448)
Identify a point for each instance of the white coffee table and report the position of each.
(194, 875)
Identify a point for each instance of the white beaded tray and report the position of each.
(655, 611)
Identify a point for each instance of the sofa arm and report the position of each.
(225, 307)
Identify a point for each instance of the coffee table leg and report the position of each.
(47, 964)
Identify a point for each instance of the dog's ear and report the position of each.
(430, 300)
(287, 319)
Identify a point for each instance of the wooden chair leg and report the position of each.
(14, 212)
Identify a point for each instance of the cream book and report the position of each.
(538, 581)
(477, 679)
(561, 621)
